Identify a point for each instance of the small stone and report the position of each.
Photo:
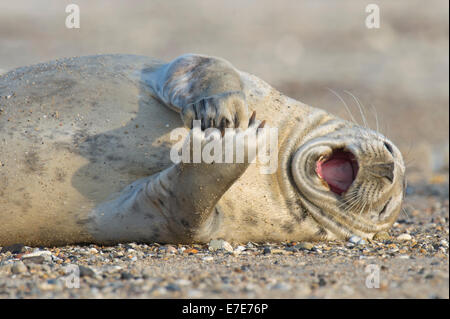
(6, 268)
(208, 258)
(227, 246)
(133, 245)
(191, 251)
(13, 249)
(245, 267)
(42, 254)
(354, 239)
(382, 236)
(86, 271)
(281, 286)
(46, 286)
(404, 237)
(183, 282)
(33, 260)
(126, 276)
(304, 246)
(217, 244)
(93, 251)
(322, 282)
(173, 287)
(18, 268)
(148, 273)
(194, 293)
(111, 269)
(239, 249)
(279, 252)
(171, 250)
(267, 251)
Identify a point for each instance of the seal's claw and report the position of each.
(252, 118)
(226, 110)
(263, 123)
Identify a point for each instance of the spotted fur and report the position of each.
(84, 157)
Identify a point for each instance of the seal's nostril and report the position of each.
(385, 170)
(389, 147)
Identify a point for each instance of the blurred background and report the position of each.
(299, 47)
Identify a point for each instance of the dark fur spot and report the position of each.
(184, 222)
(251, 218)
(297, 211)
(33, 163)
(321, 233)
(60, 175)
(84, 221)
(288, 227)
(135, 206)
(155, 232)
(148, 215)
(113, 157)
(250, 221)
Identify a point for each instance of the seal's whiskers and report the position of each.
(345, 105)
(360, 108)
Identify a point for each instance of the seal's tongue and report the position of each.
(339, 171)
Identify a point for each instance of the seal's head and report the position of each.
(351, 179)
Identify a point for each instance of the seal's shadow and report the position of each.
(121, 156)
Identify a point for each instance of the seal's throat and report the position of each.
(338, 170)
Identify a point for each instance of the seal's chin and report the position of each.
(338, 170)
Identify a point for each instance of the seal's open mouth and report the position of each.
(338, 170)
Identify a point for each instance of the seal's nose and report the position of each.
(385, 170)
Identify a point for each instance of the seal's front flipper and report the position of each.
(172, 205)
(204, 88)
(187, 192)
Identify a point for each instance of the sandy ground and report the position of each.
(301, 48)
